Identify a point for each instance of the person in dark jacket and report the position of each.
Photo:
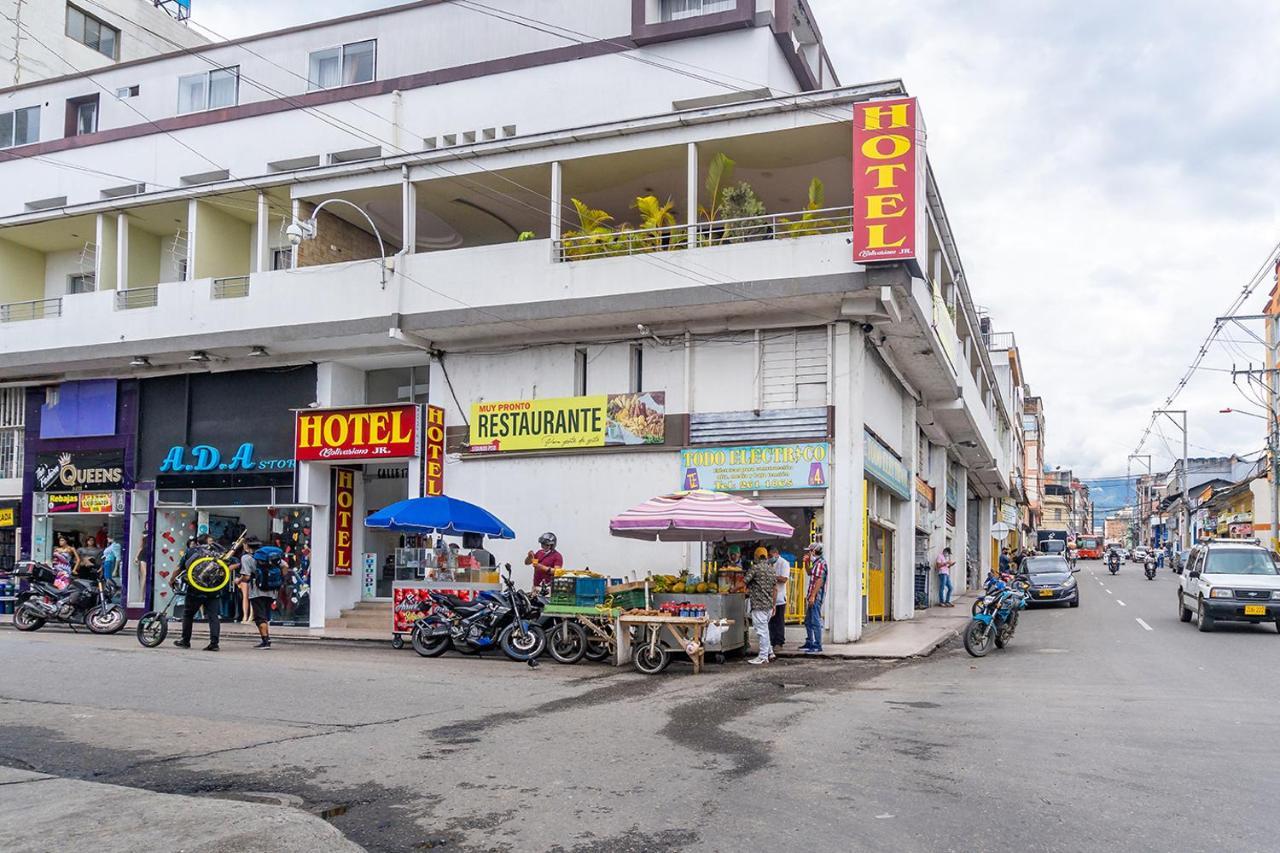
(195, 599)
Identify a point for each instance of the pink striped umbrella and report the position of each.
(699, 516)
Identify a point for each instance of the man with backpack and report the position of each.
(262, 571)
(194, 599)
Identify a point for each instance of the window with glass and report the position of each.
(343, 65)
(92, 32)
(675, 10)
(209, 90)
(81, 283)
(20, 127)
(82, 116)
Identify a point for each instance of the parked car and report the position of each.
(1138, 555)
(1179, 559)
(1051, 581)
(1230, 581)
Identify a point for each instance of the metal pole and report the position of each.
(1186, 500)
(1273, 427)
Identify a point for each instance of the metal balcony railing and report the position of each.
(137, 297)
(998, 341)
(36, 309)
(235, 287)
(609, 243)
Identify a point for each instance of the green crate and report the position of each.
(630, 599)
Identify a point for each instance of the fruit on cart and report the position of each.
(702, 587)
(678, 589)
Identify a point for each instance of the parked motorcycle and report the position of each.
(1150, 570)
(82, 602)
(995, 623)
(506, 619)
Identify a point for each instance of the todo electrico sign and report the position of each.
(886, 167)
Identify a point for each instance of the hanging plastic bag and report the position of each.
(714, 631)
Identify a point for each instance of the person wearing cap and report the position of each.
(762, 585)
(816, 590)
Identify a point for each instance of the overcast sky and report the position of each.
(1111, 170)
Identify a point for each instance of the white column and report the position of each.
(904, 562)
(986, 507)
(193, 229)
(293, 255)
(960, 544)
(691, 192)
(938, 536)
(122, 251)
(262, 252)
(409, 214)
(844, 526)
(557, 199)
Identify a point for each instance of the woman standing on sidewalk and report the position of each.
(945, 564)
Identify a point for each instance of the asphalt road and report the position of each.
(1108, 726)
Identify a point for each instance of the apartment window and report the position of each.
(81, 283)
(128, 91)
(82, 115)
(20, 127)
(281, 259)
(580, 372)
(343, 66)
(209, 90)
(93, 33)
(675, 10)
(637, 368)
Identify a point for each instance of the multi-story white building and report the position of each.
(465, 243)
(43, 39)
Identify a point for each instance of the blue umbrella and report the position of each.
(442, 514)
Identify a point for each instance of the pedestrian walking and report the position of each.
(816, 592)
(195, 600)
(945, 564)
(262, 573)
(1004, 561)
(778, 622)
(762, 585)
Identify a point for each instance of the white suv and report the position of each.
(1231, 581)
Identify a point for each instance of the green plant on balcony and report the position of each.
(743, 211)
(593, 236)
(810, 221)
(719, 173)
(651, 234)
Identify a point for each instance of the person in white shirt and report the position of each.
(777, 623)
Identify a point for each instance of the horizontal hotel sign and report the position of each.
(757, 467)
(569, 422)
(367, 432)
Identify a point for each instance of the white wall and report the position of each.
(58, 267)
(726, 374)
(884, 403)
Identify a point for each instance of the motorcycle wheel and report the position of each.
(1003, 636)
(110, 622)
(522, 646)
(152, 628)
(977, 639)
(427, 646)
(567, 642)
(24, 620)
(977, 607)
(649, 660)
(597, 649)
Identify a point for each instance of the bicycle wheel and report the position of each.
(208, 575)
(153, 627)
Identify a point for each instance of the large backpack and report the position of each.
(269, 568)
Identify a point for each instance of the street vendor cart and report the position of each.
(421, 570)
(692, 516)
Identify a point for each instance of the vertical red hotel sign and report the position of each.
(344, 503)
(886, 166)
(433, 453)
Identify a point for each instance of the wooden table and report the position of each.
(685, 630)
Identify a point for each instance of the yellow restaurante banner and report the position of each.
(568, 422)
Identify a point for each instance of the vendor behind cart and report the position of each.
(545, 561)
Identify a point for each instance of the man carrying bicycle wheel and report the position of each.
(199, 575)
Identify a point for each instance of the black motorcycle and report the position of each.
(88, 602)
(1150, 570)
(1113, 562)
(506, 619)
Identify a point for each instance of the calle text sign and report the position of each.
(367, 432)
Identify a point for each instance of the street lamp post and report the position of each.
(300, 230)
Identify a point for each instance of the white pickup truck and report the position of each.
(1230, 581)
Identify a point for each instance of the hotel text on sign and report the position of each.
(339, 435)
(344, 505)
(886, 158)
(433, 453)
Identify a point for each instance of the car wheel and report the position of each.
(1075, 603)
(1204, 621)
(1184, 615)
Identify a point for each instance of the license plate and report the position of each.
(1046, 593)
(1255, 610)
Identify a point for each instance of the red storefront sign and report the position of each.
(886, 164)
(433, 453)
(62, 502)
(343, 528)
(373, 432)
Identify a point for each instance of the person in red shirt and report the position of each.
(545, 561)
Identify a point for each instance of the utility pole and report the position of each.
(1186, 498)
(1145, 529)
(1271, 321)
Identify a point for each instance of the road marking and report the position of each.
(1109, 592)
(1121, 603)
(1144, 625)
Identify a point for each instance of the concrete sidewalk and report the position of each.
(908, 638)
(39, 812)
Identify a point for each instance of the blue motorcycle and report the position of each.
(995, 620)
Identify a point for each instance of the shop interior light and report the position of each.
(258, 352)
(199, 356)
(139, 361)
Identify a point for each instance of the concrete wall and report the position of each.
(222, 243)
(145, 261)
(336, 240)
(23, 272)
(59, 266)
(108, 247)
(884, 404)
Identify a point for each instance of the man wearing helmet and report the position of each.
(545, 561)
